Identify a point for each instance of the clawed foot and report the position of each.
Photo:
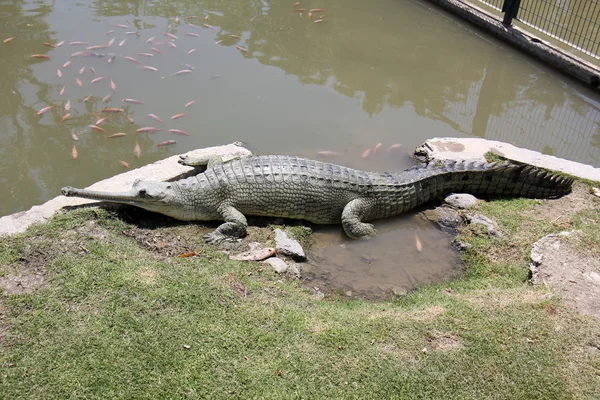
(185, 160)
(217, 238)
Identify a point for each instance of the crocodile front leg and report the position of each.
(208, 161)
(352, 216)
(234, 227)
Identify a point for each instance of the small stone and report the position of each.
(461, 200)
(399, 291)
(460, 245)
(288, 247)
(278, 264)
(484, 221)
(596, 191)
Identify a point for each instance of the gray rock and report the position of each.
(484, 221)
(288, 247)
(596, 191)
(449, 219)
(461, 200)
(278, 264)
(460, 245)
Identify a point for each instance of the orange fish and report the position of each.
(78, 82)
(149, 68)
(74, 152)
(418, 243)
(296, 4)
(121, 26)
(171, 36)
(100, 121)
(98, 79)
(96, 47)
(106, 98)
(177, 116)
(328, 153)
(10, 39)
(65, 65)
(65, 117)
(68, 105)
(377, 147)
(234, 36)
(148, 129)
(240, 48)
(300, 10)
(309, 15)
(172, 44)
(191, 34)
(130, 119)
(156, 118)
(112, 85)
(179, 132)
(394, 147)
(151, 39)
(209, 26)
(132, 59)
(154, 49)
(367, 153)
(79, 44)
(317, 10)
(192, 50)
(136, 150)
(181, 72)
(166, 143)
(62, 91)
(319, 20)
(74, 136)
(112, 110)
(44, 56)
(123, 163)
(58, 73)
(60, 43)
(109, 32)
(82, 70)
(45, 110)
(122, 43)
(118, 134)
(132, 101)
(111, 41)
(189, 103)
(97, 128)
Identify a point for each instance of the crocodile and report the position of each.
(321, 192)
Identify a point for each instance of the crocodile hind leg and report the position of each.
(352, 216)
(234, 227)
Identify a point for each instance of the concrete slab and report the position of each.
(443, 149)
(163, 170)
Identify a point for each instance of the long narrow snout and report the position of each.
(129, 197)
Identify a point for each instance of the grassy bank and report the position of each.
(118, 315)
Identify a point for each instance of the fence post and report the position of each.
(510, 8)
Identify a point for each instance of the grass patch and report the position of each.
(119, 319)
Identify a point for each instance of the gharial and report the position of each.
(321, 192)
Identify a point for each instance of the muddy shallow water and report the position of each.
(389, 263)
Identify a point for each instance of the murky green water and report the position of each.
(383, 71)
(379, 71)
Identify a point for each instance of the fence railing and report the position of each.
(573, 22)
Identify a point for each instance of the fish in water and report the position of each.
(156, 118)
(132, 101)
(179, 132)
(189, 103)
(118, 134)
(150, 129)
(177, 116)
(136, 150)
(166, 143)
(45, 110)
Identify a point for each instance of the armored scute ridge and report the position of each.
(320, 192)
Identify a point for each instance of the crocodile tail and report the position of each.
(507, 179)
(491, 179)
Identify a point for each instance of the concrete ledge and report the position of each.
(525, 41)
(446, 149)
(163, 170)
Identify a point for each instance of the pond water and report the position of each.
(383, 71)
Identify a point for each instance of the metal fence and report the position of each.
(573, 22)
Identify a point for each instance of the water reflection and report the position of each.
(383, 71)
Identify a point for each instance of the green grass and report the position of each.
(119, 321)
